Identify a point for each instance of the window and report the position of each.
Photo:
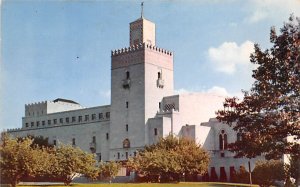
(94, 139)
(134, 153)
(54, 142)
(100, 157)
(126, 143)
(43, 123)
(107, 136)
(37, 123)
(79, 118)
(126, 127)
(158, 75)
(126, 155)
(54, 121)
(127, 75)
(159, 105)
(155, 131)
(73, 142)
(239, 136)
(73, 119)
(107, 115)
(67, 120)
(223, 140)
(118, 155)
(49, 122)
(26, 124)
(86, 118)
(32, 124)
(222, 154)
(127, 104)
(61, 120)
(100, 115)
(93, 116)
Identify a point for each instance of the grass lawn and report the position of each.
(182, 184)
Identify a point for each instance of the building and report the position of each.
(143, 108)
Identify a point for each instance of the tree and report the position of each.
(108, 170)
(266, 173)
(170, 159)
(19, 159)
(269, 114)
(69, 162)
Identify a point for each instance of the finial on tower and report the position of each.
(142, 10)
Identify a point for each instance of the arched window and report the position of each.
(223, 140)
(126, 143)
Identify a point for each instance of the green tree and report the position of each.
(170, 159)
(67, 162)
(19, 159)
(266, 173)
(268, 117)
(108, 170)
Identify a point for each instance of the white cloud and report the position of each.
(229, 55)
(216, 90)
(274, 9)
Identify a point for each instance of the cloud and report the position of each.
(228, 56)
(273, 9)
(216, 90)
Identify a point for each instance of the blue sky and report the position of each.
(41, 40)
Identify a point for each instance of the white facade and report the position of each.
(143, 108)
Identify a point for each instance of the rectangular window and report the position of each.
(37, 123)
(61, 120)
(54, 121)
(86, 118)
(73, 119)
(126, 155)
(134, 153)
(127, 104)
(54, 142)
(107, 136)
(79, 118)
(73, 142)
(100, 115)
(93, 116)
(94, 139)
(107, 115)
(126, 127)
(155, 131)
(159, 104)
(26, 124)
(118, 155)
(32, 124)
(67, 120)
(49, 122)
(43, 123)
(100, 157)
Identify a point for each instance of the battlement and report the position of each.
(139, 47)
(14, 129)
(36, 103)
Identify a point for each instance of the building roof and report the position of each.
(65, 100)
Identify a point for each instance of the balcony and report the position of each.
(93, 147)
(160, 83)
(126, 83)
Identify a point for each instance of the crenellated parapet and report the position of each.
(36, 103)
(14, 129)
(139, 47)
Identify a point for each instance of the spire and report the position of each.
(142, 10)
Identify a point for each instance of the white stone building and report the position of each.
(143, 108)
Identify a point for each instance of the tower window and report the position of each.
(223, 140)
(155, 131)
(127, 75)
(159, 105)
(73, 142)
(26, 124)
(126, 127)
(126, 155)
(100, 157)
(158, 75)
(107, 136)
(118, 155)
(94, 139)
(54, 142)
(127, 104)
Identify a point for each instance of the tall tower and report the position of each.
(141, 75)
